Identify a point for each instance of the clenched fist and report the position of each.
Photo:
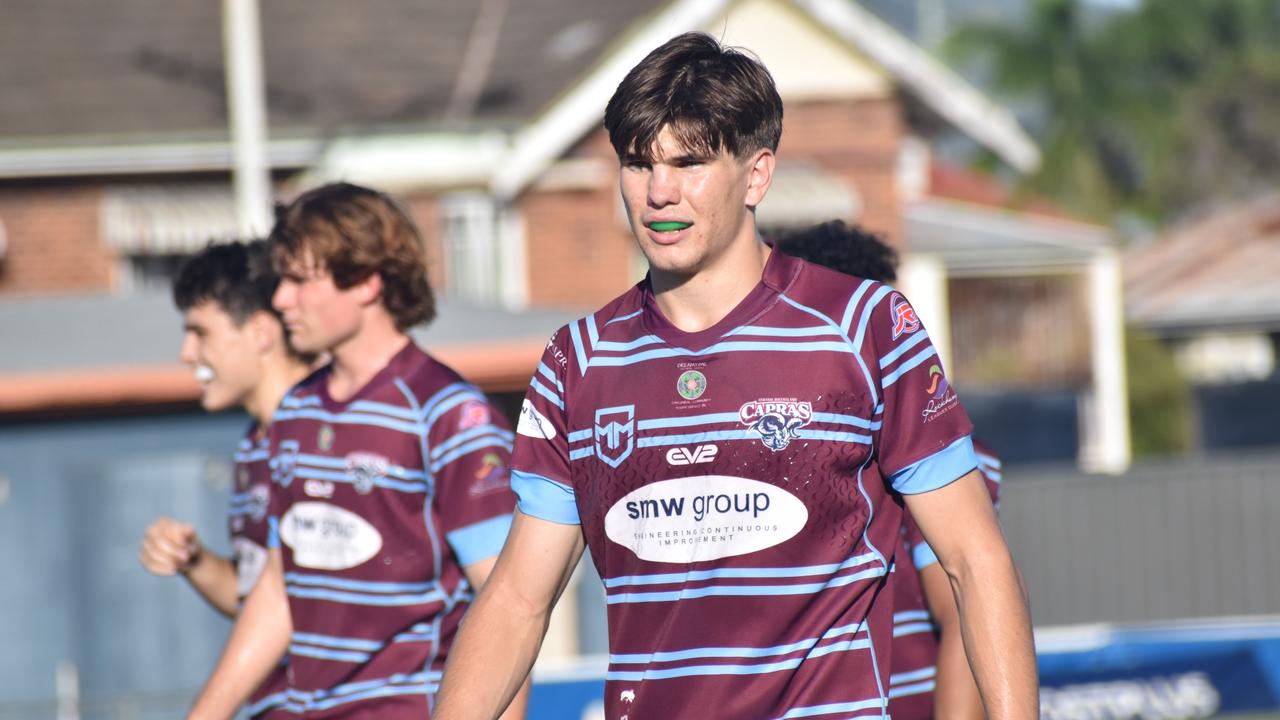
(170, 547)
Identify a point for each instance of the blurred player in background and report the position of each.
(930, 673)
(391, 496)
(237, 346)
(724, 437)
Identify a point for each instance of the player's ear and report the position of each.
(760, 176)
(369, 290)
(268, 333)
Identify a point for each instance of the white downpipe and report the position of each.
(1107, 447)
(923, 279)
(251, 179)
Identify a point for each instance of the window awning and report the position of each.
(974, 240)
(167, 220)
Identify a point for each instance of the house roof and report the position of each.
(96, 350)
(93, 73)
(944, 92)
(1217, 272)
(147, 73)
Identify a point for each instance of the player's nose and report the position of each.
(664, 190)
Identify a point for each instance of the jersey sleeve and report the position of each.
(923, 441)
(469, 457)
(922, 556)
(540, 462)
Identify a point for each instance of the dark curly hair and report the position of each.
(238, 276)
(840, 247)
(353, 232)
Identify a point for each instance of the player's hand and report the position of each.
(169, 547)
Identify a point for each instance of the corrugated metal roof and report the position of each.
(1220, 271)
(977, 240)
(102, 331)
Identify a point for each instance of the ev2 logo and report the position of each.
(685, 456)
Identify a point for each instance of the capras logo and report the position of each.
(686, 456)
(777, 420)
(750, 412)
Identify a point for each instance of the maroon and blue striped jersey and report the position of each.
(915, 641)
(380, 502)
(735, 487)
(248, 528)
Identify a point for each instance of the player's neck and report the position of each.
(360, 357)
(280, 372)
(696, 302)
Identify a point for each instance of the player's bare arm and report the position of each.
(174, 548)
(258, 641)
(956, 694)
(960, 525)
(503, 631)
(478, 574)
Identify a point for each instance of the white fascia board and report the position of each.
(946, 93)
(582, 108)
(413, 161)
(142, 159)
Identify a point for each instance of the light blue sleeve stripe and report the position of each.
(273, 533)
(545, 498)
(938, 470)
(577, 347)
(847, 319)
(592, 333)
(919, 337)
(865, 318)
(907, 367)
(922, 556)
(546, 392)
(488, 441)
(480, 541)
(546, 372)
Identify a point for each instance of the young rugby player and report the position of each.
(727, 437)
(237, 346)
(391, 493)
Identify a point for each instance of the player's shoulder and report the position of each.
(425, 377)
(617, 320)
(307, 390)
(841, 298)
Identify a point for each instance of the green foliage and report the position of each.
(1154, 111)
(1160, 403)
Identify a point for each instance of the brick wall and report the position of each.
(54, 242)
(858, 142)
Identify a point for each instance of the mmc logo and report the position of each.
(615, 433)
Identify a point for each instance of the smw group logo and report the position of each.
(704, 518)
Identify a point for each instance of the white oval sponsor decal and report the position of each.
(251, 558)
(704, 518)
(534, 424)
(327, 537)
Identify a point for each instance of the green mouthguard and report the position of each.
(669, 226)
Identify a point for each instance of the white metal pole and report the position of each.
(1110, 451)
(251, 179)
(923, 278)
